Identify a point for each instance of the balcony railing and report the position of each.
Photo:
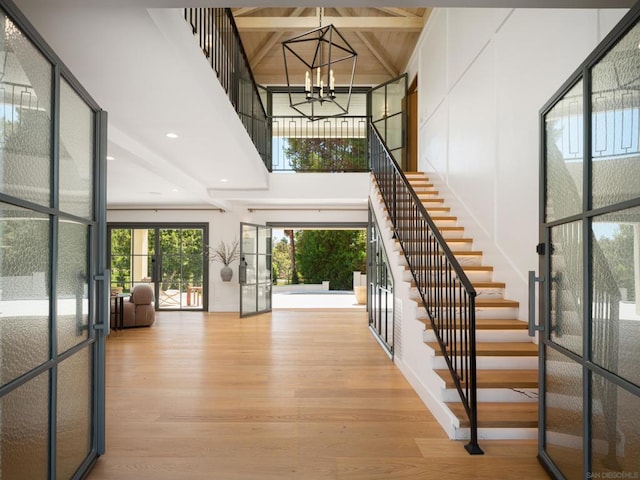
(446, 292)
(219, 40)
(337, 144)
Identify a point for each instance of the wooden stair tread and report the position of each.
(498, 349)
(490, 323)
(497, 378)
(474, 253)
(471, 268)
(496, 302)
(499, 414)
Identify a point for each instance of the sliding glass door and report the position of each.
(171, 258)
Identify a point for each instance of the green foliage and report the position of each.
(281, 260)
(618, 251)
(331, 255)
(182, 257)
(327, 154)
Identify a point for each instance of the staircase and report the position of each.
(507, 359)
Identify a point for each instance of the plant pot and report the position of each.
(361, 294)
(226, 273)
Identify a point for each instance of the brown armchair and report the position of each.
(140, 311)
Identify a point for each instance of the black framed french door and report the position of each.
(388, 110)
(255, 274)
(171, 257)
(53, 280)
(590, 266)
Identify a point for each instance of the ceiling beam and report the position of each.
(272, 39)
(397, 12)
(374, 47)
(367, 24)
(238, 12)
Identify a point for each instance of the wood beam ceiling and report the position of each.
(397, 12)
(374, 47)
(366, 24)
(272, 39)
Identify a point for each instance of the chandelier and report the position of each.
(320, 53)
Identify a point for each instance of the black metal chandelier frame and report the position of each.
(330, 49)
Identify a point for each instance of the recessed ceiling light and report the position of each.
(224, 180)
(110, 158)
(175, 190)
(172, 135)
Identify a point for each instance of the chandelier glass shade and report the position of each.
(322, 53)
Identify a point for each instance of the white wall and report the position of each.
(483, 75)
(225, 296)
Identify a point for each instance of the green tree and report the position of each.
(281, 259)
(331, 255)
(327, 154)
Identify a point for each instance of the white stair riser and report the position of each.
(473, 275)
(486, 336)
(481, 292)
(495, 363)
(483, 312)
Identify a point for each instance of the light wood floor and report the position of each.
(288, 395)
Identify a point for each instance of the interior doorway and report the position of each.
(319, 266)
(169, 257)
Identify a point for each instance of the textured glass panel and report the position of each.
(563, 429)
(76, 153)
(24, 291)
(395, 96)
(25, 118)
(378, 104)
(249, 299)
(615, 302)
(564, 134)
(394, 132)
(72, 287)
(616, 431)
(24, 427)
(264, 297)
(264, 240)
(615, 102)
(263, 269)
(73, 413)
(567, 286)
(251, 268)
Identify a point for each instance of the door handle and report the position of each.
(532, 303)
(105, 307)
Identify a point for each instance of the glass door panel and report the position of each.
(171, 260)
(590, 263)
(255, 269)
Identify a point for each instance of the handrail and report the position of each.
(220, 42)
(446, 292)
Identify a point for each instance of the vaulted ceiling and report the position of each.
(383, 37)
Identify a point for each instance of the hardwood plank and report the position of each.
(288, 395)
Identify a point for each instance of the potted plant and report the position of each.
(225, 253)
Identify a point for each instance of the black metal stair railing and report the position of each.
(446, 292)
(220, 42)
